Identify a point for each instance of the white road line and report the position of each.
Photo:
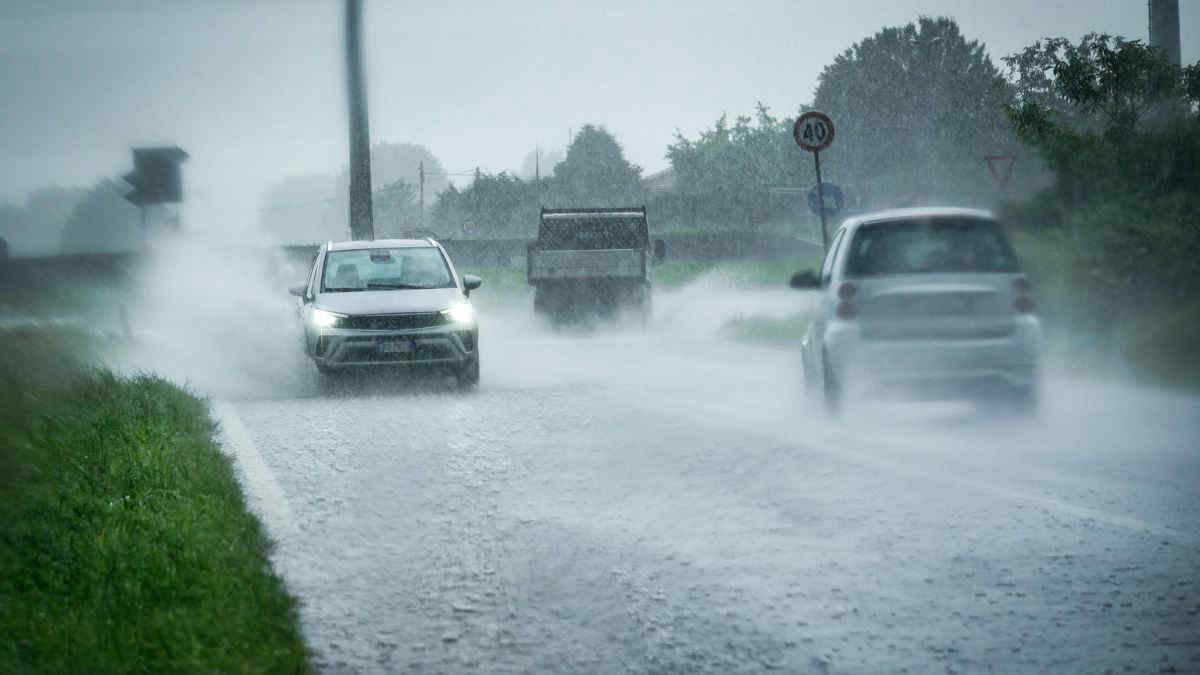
(263, 493)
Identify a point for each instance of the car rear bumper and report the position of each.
(936, 366)
(343, 348)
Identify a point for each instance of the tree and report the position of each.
(1105, 114)
(315, 207)
(391, 162)
(395, 208)
(103, 221)
(37, 227)
(1118, 124)
(300, 209)
(14, 226)
(915, 108)
(540, 164)
(596, 173)
(725, 176)
(498, 205)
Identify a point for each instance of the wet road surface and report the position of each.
(666, 501)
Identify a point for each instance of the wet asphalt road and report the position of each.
(666, 501)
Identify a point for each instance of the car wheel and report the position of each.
(831, 389)
(1024, 400)
(468, 376)
(807, 372)
(326, 379)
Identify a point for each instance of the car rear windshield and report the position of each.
(930, 246)
(590, 234)
(386, 268)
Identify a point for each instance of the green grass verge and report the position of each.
(1087, 332)
(744, 273)
(125, 543)
(767, 331)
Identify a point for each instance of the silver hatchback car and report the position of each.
(389, 302)
(924, 301)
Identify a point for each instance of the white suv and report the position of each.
(389, 302)
(925, 301)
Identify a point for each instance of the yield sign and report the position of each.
(1001, 167)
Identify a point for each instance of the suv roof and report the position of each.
(380, 243)
(917, 212)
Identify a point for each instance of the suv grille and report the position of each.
(395, 321)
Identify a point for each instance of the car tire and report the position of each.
(808, 373)
(468, 375)
(1024, 400)
(831, 389)
(326, 379)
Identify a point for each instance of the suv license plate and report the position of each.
(395, 347)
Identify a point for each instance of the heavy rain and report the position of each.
(351, 336)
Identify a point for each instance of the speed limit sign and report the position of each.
(813, 131)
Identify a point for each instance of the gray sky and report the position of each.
(253, 90)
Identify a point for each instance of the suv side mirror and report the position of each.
(298, 291)
(470, 283)
(660, 250)
(805, 280)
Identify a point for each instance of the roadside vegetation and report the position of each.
(1114, 243)
(125, 543)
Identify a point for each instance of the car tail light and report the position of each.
(846, 310)
(1023, 304)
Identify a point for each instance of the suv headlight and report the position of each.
(322, 318)
(460, 313)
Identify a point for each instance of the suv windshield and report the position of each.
(386, 268)
(930, 246)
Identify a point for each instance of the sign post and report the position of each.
(813, 131)
(1001, 167)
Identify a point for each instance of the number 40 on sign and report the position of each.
(813, 131)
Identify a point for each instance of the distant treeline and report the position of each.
(917, 110)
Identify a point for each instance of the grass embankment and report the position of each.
(1088, 331)
(740, 273)
(125, 543)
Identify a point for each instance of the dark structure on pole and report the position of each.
(1164, 28)
(156, 178)
(361, 222)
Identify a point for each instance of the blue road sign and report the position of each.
(834, 199)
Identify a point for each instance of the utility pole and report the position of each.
(1164, 28)
(537, 163)
(421, 199)
(361, 221)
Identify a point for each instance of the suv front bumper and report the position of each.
(444, 345)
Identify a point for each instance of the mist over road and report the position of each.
(667, 502)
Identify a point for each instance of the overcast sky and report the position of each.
(254, 90)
